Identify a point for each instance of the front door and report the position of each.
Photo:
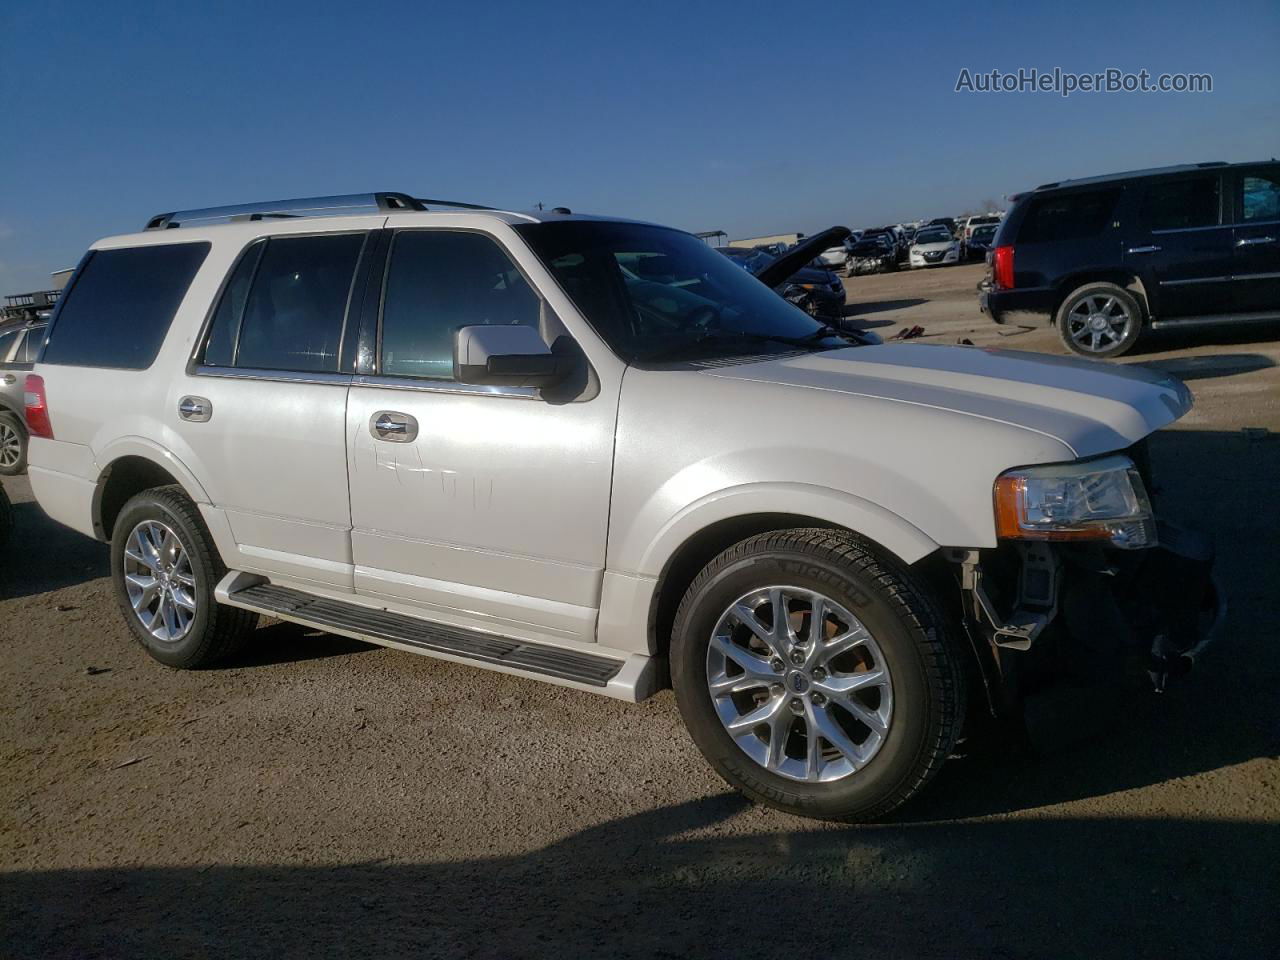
(1256, 277)
(263, 410)
(486, 507)
(1182, 247)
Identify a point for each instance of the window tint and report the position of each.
(1180, 204)
(1068, 216)
(438, 281)
(1261, 199)
(30, 346)
(294, 313)
(219, 349)
(7, 341)
(120, 308)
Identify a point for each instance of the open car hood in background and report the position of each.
(784, 266)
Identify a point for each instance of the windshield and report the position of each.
(655, 293)
(933, 236)
(984, 233)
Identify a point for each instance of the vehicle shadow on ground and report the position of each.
(1228, 334)
(675, 882)
(280, 642)
(1211, 366)
(880, 306)
(44, 556)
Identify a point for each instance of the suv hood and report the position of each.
(1091, 406)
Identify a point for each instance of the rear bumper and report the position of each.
(65, 498)
(1031, 307)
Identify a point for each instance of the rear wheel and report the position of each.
(165, 568)
(13, 445)
(814, 675)
(1100, 320)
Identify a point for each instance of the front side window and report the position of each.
(1181, 204)
(1260, 199)
(119, 308)
(656, 294)
(437, 281)
(294, 312)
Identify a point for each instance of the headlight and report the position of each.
(1092, 500)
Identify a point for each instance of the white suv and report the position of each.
(596, 452)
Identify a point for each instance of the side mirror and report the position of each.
(510, 355)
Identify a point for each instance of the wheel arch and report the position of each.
(1123, 278)
(707, 531)
(131, 466)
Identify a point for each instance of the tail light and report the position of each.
(1002, 267)
(37, 407)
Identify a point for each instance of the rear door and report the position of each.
(1181, 245)
(262, 409)
(486, 507)
(1256, 275)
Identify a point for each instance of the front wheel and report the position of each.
(165, 567)
(815, 675)
(1100, 320)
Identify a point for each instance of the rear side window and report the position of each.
(1181, 204)
(120, 308)
(1068, 216)
(440, 280)
(30, 346)
(7, 340)
(285, 304)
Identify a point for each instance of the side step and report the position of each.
(633, 678)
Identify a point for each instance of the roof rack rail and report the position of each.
(301, 207)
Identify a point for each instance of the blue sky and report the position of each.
(749, 117)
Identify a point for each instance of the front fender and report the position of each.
(901, 538)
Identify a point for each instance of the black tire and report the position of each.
(216, 631)
(11, 425)
(908, 626)
(1123, 300)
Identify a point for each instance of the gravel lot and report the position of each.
(320, 797)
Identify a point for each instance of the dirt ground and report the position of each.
(323, 798)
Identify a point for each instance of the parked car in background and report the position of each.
(973, 223)
(934, 246)
(872, 253)
(595, 453)
(20, 341)
(809, 284)
(834, 257)
(948, 222)
(1106, 258)
(977, 243)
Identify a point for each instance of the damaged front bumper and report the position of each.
(1040, 613)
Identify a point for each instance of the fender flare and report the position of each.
(134, 446)
(901, 538)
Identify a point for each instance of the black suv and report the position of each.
(1106, 257)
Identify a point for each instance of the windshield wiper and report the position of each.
(673, 351)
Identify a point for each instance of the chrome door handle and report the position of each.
(195, 409)
(1149, 249)
(1254, 241)
(10, 378)
(393, 426)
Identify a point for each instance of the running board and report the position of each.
(632, 678)
(1214, 320)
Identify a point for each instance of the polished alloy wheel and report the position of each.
(159, 581)
(1098, 323)
(799, 683)
(10, 445)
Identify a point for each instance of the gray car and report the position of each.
(19, 343)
